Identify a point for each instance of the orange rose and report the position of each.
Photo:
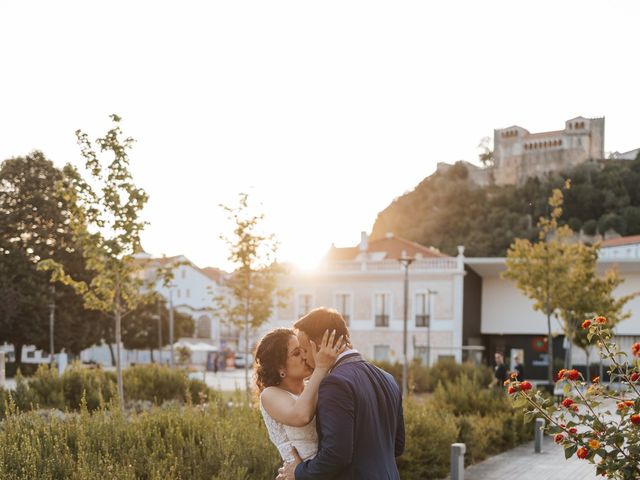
(635, 419)
(586, 324)
(635, 349)
(594, 444)
(582, 452)
(601, 320)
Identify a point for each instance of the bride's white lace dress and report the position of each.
(305, 439)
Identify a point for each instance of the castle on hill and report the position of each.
(519, 154)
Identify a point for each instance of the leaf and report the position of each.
(569, 450)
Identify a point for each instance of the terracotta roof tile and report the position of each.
(393, 247)
(614, 242)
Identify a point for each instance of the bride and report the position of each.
(287, 404)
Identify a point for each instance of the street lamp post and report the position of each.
(429, 293)
(405, 261)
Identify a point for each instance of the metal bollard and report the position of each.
(457, 461)
(538, 435)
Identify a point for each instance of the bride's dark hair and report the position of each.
(271, 355)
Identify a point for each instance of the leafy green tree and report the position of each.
(591, 296)
(253, 286)
(140, 330)
(541, 270)
(36, 225)
(105, 222)
(447, 209)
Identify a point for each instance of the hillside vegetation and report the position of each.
(446, 210)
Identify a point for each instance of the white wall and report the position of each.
(507, 311)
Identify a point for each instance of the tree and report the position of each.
(140, 331)
(106, 224)
(591, 296)
(252, 287)
(36, 225)
(541, 269)
(486, 153)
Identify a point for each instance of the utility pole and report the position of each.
(405, 261)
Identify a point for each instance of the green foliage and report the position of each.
(429, 433)
(105, 220)
(463, 396)
(94, 388)
(424, 379)
(188, 442)
(35, 225)
(253, 286)
(448, 209)
(140, 327)
(204, 441)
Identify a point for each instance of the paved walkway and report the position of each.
(522, 463)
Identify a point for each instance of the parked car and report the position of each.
(241, 358)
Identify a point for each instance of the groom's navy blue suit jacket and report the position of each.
(360, 424)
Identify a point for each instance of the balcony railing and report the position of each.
(422, 265)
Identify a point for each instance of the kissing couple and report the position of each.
(330, 413)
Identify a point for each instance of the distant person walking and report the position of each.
(518, 369)
(499, 371)
(216, 362)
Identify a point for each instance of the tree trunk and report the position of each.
(549, 349)
(151, 351)
(118, 320)
(113, 356)
(17, 349)
(587, 351)
(569, 352)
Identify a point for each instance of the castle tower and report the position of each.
(519, 154)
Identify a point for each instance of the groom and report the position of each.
(359, 413)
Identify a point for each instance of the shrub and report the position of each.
(430, 431)
(424, 379)
(165, 443)
(463, 397)
(154, 383)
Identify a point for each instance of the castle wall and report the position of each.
(519, 154)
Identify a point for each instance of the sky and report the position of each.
(323, 112)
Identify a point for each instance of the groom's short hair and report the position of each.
(314, 323)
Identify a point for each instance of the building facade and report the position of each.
(520, 154)
(192, 292)
(503, 319)
(366, 284)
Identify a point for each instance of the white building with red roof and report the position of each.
(366, 284)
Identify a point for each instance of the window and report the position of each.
(178, 293)
(305, 303)
(187, 293)
(343, 305)
(184, 273)
(381, 353)
(31, 354)
(382, 304)
(420, 353)
(422, 310)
